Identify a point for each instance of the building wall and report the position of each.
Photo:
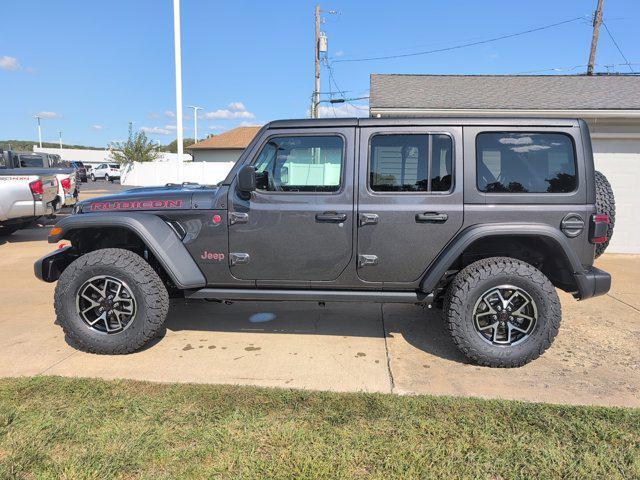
(216, 155)
(96, 157)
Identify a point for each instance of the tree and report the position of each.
(137, 148)
(173, 146)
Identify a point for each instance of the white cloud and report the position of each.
(153, 115)
(343, 110)
(339, 53)
(45, 114)
(237, 106)
(516, 140)
(234, 110)
(224, 114)
(97, 127)
(217, 127)
(170, 114)
(156, 130)
(250, 124)
(9, 63)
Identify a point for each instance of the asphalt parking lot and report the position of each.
(346, 347)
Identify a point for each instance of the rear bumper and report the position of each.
(592, 282)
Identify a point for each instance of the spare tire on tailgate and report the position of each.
(605, 203)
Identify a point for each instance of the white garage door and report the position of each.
(619, 160)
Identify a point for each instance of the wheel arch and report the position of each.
(521, 241)
(150, 230)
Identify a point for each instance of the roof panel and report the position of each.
(540, 92)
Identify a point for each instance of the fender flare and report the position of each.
(159, 238)
(471, 234)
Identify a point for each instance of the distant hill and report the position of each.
(26, 145)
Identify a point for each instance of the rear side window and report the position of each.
(410, 163)
(520, 162)
(300, 164)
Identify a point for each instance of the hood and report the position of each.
(169, 197)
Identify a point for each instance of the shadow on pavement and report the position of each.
(422, 328)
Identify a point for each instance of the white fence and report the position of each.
(161, 173)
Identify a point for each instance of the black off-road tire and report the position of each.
(152, 301)
(605, 203)
(467, 287)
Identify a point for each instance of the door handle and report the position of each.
(431, 217)
(333, 217)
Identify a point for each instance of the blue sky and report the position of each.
(94, 66)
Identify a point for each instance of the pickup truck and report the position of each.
(25, 195)
(68, 188)
(482, 217)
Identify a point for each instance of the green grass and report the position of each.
(53, 427)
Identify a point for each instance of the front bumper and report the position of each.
(593, 282)
(49, 267)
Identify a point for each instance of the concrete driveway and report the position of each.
(347, 347)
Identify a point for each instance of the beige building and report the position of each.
(225, 147)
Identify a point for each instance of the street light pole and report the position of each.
(39, 132)
(60, 139)
(178, 67)
(195, 121)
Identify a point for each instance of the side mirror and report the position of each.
(247, 179)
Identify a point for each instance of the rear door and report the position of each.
(410, 200)
(298, 225)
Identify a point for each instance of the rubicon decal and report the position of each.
(217, 256)
(135, 205)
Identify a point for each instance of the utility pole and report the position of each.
(195, 121)
(39, 132)
(597, 20)
(316, 92)
(60, 139)
(178, 67)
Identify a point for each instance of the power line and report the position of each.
(575, 67)
(464, 45)
(617, 46)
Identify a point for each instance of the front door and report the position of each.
(298, 224)
(410, 200)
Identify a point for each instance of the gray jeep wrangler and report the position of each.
(484, 218)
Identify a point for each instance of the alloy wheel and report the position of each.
(505, 315)
(106, 304)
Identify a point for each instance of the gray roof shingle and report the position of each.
(519, 92)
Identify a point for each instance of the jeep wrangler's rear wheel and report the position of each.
(111, 301)
(502, 312)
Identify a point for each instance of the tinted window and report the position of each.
(114, 165)
(300, 164)
(525, 162)
(410, 163)
(31, 161)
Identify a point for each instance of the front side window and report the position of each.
(410, 163)
(519, 162)
(301, 164)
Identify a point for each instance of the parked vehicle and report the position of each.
(81, 170)
(25, 195)
(68, 189)
(482, 217)
(107, 171)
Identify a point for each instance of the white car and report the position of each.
(108, 171)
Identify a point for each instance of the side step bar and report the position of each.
(312, 295)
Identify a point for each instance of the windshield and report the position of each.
(31, 161)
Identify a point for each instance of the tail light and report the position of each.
(599, 228)
(66, 184)
(37, 189)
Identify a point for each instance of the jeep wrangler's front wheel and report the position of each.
(502, 312)
(110, 301)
